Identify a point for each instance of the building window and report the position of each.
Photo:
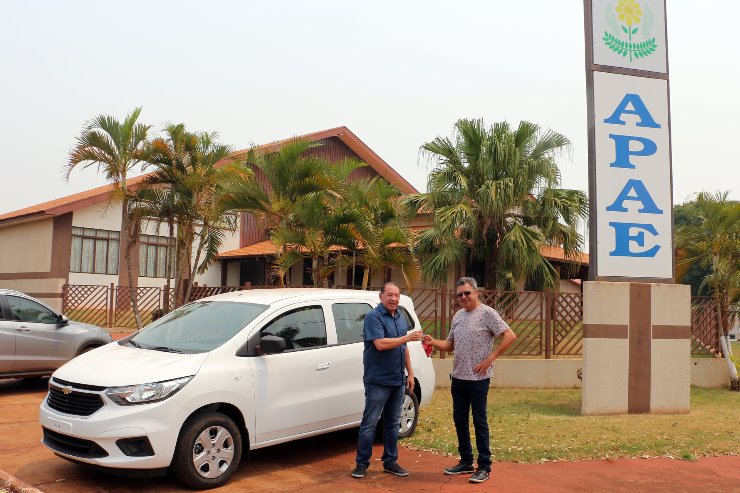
(153, 256)
(94, 251)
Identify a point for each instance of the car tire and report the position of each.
(409, 415)
(192, 463)
(409, 418)
(88, 348)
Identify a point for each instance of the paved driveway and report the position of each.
(323, 463)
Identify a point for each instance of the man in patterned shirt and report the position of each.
(471, 336)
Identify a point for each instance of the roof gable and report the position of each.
(100, 194)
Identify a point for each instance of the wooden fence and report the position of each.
(546, 323)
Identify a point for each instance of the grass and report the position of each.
(534, 425)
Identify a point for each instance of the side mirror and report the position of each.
(62, 320)
(270, 345)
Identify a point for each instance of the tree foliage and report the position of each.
(493, 192)
(187, 191)
(708, 238)
(116, 148)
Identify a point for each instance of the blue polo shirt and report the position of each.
(384, 367)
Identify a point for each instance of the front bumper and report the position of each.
(93, 439)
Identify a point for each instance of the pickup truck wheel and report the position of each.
(208, 451)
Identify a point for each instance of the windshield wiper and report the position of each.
(164, 348)
(134, 344)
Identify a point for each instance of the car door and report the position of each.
(291, 387)
(7, 340)
(348, 391)
(40, 343)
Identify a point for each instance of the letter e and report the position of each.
(624, 238)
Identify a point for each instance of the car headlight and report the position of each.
(146, 393)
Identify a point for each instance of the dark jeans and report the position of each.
(467, 394)
(389, 400)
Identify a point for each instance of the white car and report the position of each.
(223, 375)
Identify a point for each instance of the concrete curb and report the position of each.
(11, 484)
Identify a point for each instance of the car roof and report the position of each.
(12, 291)
(272, 296)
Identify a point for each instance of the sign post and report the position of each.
(637, 322)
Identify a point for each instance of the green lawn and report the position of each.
(532, 425)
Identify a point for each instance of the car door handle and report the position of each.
(23, 328)
(322, 366)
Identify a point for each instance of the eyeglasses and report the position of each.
(464, 293)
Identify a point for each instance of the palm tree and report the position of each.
(712, 241)
(186, 189)
(206, 182)
(116, 148)
(493, 192)
(163, 196)
(290, 174)
(380, 230)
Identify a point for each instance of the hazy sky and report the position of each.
(397, 73)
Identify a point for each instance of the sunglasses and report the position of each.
(464, 293)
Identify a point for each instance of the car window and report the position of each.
(198, 327)
(349, 319)
(407, 316)
(25, 310)
(301, 328)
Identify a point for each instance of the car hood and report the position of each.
(115, 365)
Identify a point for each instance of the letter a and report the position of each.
(638, 108)
(641, 195)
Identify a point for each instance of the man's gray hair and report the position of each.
(386, 284)
(467, 280)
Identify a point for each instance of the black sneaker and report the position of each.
(396, 469)
(460, 468)
(480, 475)
(359, 471)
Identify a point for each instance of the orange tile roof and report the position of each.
(260, 249)
(66, 204)
(557, 253)
(267, 247)
(255, 250)
(100, 194)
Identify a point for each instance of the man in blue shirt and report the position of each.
(384, 358)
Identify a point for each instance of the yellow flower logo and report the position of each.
(629, 11)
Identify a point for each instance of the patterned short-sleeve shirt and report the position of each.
(472, 334)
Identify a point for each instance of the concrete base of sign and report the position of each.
(636, 348)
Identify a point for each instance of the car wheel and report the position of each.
(409, 415)
(208, 451)
(88, 348)
(409, 418)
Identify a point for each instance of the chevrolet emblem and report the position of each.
(66, 390)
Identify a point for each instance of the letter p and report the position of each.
(623, 151)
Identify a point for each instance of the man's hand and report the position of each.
(410, 382)
(443, 345)
(414, 335)
(484, 365)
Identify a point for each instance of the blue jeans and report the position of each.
(389, 400)
(467, 394)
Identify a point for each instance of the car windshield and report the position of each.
(198, 327)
